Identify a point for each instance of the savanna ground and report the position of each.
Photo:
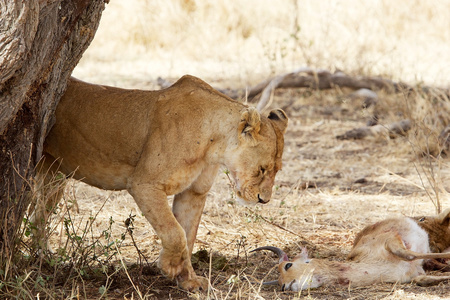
(328, 190)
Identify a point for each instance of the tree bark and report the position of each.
(41, 41)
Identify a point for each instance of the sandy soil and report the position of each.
(350, 184)
(329, 189)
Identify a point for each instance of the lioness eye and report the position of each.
(287, 266)
(422, 219)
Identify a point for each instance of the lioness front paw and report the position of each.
(170, 264)
(193, 284)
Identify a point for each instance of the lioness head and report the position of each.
(257, 158)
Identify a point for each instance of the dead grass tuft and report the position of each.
(246, 42)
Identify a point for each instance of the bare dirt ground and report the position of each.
(327, 191)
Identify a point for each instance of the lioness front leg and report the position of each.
(187, 208)
(153, 203)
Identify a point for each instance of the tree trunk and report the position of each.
(41, 41)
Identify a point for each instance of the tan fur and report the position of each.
(392, 250)
(168, 142)
(438, 230)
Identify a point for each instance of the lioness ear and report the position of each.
(249, 125)
(278, 116)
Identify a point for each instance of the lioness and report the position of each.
(168, 142)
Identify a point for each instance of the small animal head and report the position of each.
(256, 159)
(438, 230)
(298, 274)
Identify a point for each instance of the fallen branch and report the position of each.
(320, 79)
(392, 130)
(323, 79)
(369, 97)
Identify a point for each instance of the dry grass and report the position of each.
(237, 43)
(325, 218)
(241, 42)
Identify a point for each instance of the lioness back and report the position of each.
(101, 131)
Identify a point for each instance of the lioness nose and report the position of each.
(260, 200)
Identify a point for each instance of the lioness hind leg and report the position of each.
(49, 189)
